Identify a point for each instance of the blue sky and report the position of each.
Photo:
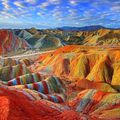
(57, 13)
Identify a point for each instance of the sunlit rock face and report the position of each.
(72, 82)
(96, 64)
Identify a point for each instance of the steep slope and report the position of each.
(96, 105)
(39, 39)
(103, 37)
(100, 36)
(48, 42)
(73, 82)
(24, 34)
(10, 42)
(99, 65)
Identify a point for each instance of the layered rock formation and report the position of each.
(9, 42)
(49, 39)
(73, 82)
(12, 41)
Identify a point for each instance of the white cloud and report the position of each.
(57, 13)
(54, 1)
(44, 5)
(73, 12)
(49, 2)
(7, 15)
(115, 8)
(103, 15)
(19, 4)
(77, 23)
(31, 1)
(41, 14)
(73, 2)
(5, 3)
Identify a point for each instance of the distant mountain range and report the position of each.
(71, 28)
(85, 28)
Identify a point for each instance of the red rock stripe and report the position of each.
(10, 83)
(18, 81)
(35, 86)
(46, 91)
(50, 98)
(60, 100)
(39, 76)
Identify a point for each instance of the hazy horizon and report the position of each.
(45, 28)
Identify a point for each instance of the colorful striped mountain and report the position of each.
(71, 83)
